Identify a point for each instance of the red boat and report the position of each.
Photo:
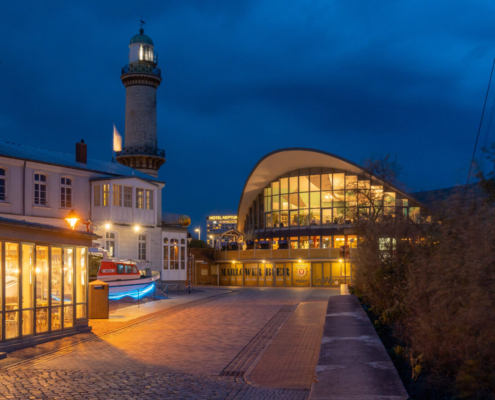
(123, 276)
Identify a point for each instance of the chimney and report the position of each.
(82, 152)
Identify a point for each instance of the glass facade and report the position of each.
(323, 198)
(38, 283)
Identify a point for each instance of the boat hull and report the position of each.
(132, 287)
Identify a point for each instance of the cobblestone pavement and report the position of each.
(180, 355)
(70, 384)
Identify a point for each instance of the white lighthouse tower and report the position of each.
(141, 77)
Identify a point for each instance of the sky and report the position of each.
(242, 78)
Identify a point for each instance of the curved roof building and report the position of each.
(303, 193)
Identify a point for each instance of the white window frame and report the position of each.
(115, 241)
(140, 242)
(66, 186)
(96, 196)
(127, 202)
(149, 199)
(41, 183)
(117, 200)
(140, 205)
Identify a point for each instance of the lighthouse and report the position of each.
(141, 77)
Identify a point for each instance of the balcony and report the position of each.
(285, 254)
(141, 69)
(141, 150)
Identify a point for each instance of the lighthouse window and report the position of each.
(145, 53)
(2, 184)
(66, 192)
(40, 189)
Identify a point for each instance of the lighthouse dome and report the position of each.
(141, 38)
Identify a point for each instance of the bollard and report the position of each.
(344, 289)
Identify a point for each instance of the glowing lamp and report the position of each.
(137, 228)
(107, 226)
(299, 261)
(340, 260)
(72, 219)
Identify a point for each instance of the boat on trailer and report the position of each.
(125, 279)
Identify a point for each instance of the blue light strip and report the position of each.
(132, 293)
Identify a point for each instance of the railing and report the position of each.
(145, 150)
(143, 69)
(271, 254)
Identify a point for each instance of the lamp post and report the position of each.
(189, 239)
(212, 241)
(199, 232)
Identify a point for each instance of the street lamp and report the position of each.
(189, 239)
(212, 241)
(199, 233)
(72, 219)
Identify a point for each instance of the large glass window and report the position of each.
(11, 276)
(56, 276)
(81, 284)
(42, 272)
(110, 238)
(165, 255)
(96, 195)
(306, 198)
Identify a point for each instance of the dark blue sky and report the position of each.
(243, 78)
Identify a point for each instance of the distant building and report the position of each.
(216, 224)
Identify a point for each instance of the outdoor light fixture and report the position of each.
(299, 261)
(72, 219)
(107, 226)
(137, 228)
(340, 260)
(263, 261)
(199, 233)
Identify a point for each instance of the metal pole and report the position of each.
(190, 271)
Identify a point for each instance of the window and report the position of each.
(40, 189)
(120, 269)
(110, 243)
(117, 195)
(128, 269)
(97, 195)
(140, 198)
(183, 241)
(3, 193)
(127, 196)
(182, 257)
(165, 254)
(174, 257)
(106, 195)
(149, 199)
(66, 192)
(142, 247)
(146, 53)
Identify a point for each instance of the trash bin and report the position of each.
(98, 300)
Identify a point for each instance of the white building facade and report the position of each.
(120, 204)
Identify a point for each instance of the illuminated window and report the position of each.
(140, 198)
(165, 255)
(149, 199)
(117, 195)
(106, 195)
(40, 189)
(66, 192)
(3, 193)
(127, 196)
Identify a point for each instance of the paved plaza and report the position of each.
(232, 344)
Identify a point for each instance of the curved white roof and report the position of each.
(281, 161)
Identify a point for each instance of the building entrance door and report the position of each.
(261, 274)
(250, 274)
(279, 274)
